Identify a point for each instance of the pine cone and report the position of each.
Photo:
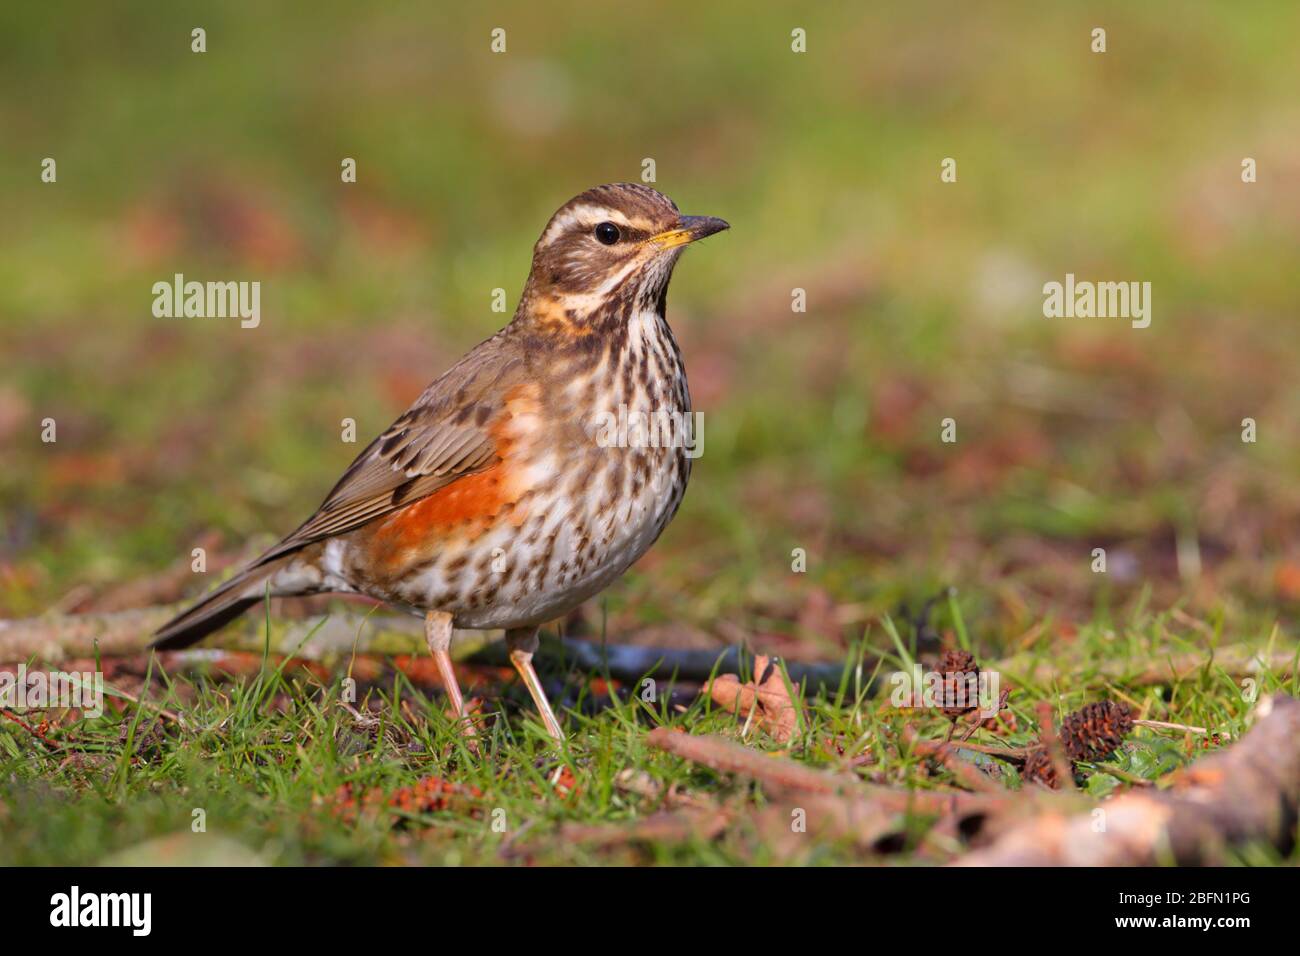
(960, 682)
(1096, 731)
(1039, 768)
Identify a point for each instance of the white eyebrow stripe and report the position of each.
(586, 214)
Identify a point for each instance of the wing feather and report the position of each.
(446, 434)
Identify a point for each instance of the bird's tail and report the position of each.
(217, 609)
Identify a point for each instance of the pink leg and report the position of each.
(522, 643)
(437, 631)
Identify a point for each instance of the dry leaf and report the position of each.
(767, 700)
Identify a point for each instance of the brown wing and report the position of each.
(445, 435)
(440, 438)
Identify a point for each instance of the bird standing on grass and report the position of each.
(493, 502)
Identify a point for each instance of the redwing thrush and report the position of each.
(492, 502)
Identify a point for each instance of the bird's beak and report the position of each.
(689, 228)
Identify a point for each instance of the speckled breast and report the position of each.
(599, 462)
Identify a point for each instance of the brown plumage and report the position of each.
(496, 500)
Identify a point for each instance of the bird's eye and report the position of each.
(607, 233)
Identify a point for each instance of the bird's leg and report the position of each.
(522, 643)
(437, 631)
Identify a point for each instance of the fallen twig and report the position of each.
(968, 775)
(787, 777)
(34, 731)
(1061, 763)
(1186, 728)
(718, 753)
(1249, 792)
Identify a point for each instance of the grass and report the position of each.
(281, 770)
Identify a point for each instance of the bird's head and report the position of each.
(612, 245)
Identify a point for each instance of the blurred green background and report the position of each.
(822, 429)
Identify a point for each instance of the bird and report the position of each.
(501, 499)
